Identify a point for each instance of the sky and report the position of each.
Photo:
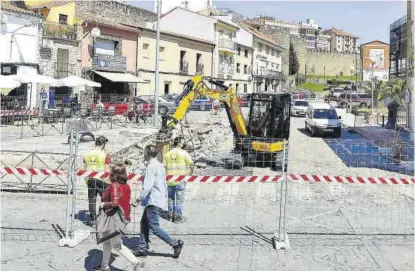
(369, 20)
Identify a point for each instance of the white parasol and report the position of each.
(7, 84)
(75, 81)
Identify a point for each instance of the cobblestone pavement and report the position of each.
(229, 226)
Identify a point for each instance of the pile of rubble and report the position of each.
(205, 142)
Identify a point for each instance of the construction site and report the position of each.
(340, 204)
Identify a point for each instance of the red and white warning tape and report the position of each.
(134, 178)
(18, 113)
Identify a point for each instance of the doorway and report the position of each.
(167, 88)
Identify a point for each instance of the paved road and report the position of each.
(229, 226)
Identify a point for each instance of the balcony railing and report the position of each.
(267, 73)
(200, 68)
(63, 70)
(227, 44)
(184, 67)
(226, 69)
(61, 31)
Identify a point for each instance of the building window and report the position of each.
(238, 68)
(245, 88)
(260, 47)
(246, 52)
(220, 59)
(220, 33)
(245, 69)
(63, 19)
(62, 66)
(239, 51)
(105, 47)
(273, 52)
(145, 50)
(236, 88)
(267, 50)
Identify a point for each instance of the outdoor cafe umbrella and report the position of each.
(75, 81)
(34, 78)
(7, 84)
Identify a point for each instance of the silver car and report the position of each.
(299, 107)
(165, 106)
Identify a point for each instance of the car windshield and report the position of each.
(301, 103)
(325, 114)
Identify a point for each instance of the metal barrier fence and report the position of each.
(347, 186)
(52, 122)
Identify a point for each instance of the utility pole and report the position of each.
(410, 66)
(157, 75)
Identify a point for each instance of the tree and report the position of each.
(293, 61)
(395, 90)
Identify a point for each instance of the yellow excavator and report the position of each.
(260, 138)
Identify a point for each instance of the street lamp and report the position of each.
(12, 37)
(372, 63)
(157, 74)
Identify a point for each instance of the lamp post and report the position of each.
(12, 37)
(157, 74)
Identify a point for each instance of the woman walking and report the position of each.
(116, 196)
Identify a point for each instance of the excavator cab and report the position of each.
(268, 126)
(269, 115)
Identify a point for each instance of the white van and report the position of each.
(321, 118)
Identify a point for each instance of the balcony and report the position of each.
(61, 31)
(184, 67)
(265, 73)
(226, 69)
(225, 44)
(200, 68)
(110, 63)
(62, 70)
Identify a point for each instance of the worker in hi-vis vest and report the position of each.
(96, 160)
(177, 162)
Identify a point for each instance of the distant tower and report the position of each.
(193, 5)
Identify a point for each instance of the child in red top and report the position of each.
(117, 195)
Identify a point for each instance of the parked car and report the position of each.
(165, 106)
(171, 97)
(322, 119)
(243, 100)
(120, 105)
(299, 107)
(353, 99)
(336, 92)
(202, 103)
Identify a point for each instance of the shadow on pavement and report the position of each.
(132, 243)
(94, 258)
(257, 235)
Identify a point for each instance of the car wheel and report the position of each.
(202, 107)
(305, 126)
(337, 133)
(363, 105)
(312, 132)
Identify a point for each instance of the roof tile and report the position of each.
(10, 7)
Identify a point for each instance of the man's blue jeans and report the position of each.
(150, 221)
(176, 192)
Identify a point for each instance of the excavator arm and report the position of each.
(196, 87)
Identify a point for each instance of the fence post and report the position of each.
(280, 238)
(72, 237)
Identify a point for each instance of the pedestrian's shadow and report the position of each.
(95, 258)
(132, 241)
